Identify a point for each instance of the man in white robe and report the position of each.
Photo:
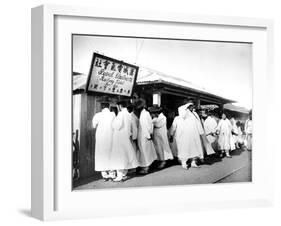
(224, 130)
(240, 137)
(206, 144)
(135, 128)
(160, 138)
(123, 155)
(210, 126)
(234, 140)
(249, 132)
(187, 136)
(175, 134)
(102, 121)
(147, 153)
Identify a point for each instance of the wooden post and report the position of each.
(198, 103)
(221, 108)
(89, 107)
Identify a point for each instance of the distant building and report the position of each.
(239, 113)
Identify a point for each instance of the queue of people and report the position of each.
(138, 136)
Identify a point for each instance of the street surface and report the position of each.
(214, 170)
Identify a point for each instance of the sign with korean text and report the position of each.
(108, 75)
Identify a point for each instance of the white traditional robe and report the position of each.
(249, 131)
(234, 138)
(248, 126)
(123, 154)
(135, 128)
(206, 144)
(103, 121)
(147, 152)
(177, 129)
(187, 135)
(224, 128)
(160, 138)
(210, 126)
(192, 140)
(240, 137)
(182, 110)
(199, 124)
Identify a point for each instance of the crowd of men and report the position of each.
(138, 137)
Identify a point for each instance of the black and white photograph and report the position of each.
(160, 112)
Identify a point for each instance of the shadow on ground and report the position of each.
(209, 161)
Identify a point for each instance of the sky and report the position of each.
(223, 68)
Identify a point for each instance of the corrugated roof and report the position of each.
(79, 81)
(147, 75)
(235, 108)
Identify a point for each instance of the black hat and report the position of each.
(140, 103)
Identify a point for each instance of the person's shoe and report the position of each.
(118, 179)
(194, 165)
(124, 178)
(106, 179)
(132, 171)
(143, 172)
(161, 165)
(185, 166)
(228, 156)
(112, 174)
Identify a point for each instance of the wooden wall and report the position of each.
(89, 106)
(85, 106)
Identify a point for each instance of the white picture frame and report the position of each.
(52, 197)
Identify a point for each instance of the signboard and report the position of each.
(111, 76)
